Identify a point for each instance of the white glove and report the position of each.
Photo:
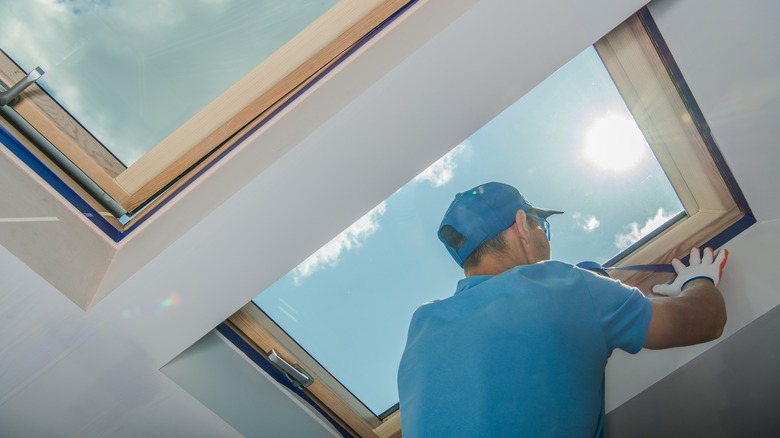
(699, 266)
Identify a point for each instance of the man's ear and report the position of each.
(522, 224)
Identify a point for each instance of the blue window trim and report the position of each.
(39, 167)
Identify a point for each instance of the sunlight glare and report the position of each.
(615, 143)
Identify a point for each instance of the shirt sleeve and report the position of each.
(622, 311)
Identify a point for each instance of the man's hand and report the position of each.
(695, 316)
(700, 266)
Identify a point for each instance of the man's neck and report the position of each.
(492, 266)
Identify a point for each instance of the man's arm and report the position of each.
(693, 310)
(697, 315)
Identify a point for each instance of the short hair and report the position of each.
(495, 245)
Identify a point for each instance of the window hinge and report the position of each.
(300, 378)
(12, 93)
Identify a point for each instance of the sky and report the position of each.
(569, 144)
(146, 65)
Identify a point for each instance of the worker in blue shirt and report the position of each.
(520, 348)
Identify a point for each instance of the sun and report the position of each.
(615, 143)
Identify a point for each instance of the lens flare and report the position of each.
(174, 300)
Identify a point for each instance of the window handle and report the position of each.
(300, 378)
(13, 92)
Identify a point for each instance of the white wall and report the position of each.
(728, 54)
(242, 394)
(63, 375)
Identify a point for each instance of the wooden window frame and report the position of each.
(218, 126)
(640, 68)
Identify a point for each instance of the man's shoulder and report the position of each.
(561, 269)
(544, 268)
(558, 275)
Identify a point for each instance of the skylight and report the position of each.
(168, 87)
(349, 304)
(131, 73)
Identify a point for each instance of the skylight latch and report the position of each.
(12, 93)
(300, 378)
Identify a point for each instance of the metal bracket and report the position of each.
(12, 93)
(300, 378)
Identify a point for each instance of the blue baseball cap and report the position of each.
(479, 214)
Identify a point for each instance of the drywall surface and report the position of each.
(241, 393)
(65, 374)
(731, 390)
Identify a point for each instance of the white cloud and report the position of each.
(588, 224)
(437, 174)
(353, 237)
(635, 233)
(591, 224)
(442, 171)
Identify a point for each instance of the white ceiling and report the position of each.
(373, 125)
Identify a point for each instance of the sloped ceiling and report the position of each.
(67, 372)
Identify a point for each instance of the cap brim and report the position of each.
(544, 212)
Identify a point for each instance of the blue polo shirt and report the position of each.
(518, 354)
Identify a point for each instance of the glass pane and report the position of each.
(569, 144)
(132, 71)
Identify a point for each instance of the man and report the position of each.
(520, 349)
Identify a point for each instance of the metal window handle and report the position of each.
(299, 377)
(13, 92)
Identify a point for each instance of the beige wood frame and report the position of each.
(643, 80)
(641, 76)
(243, 106)
(261, 332)
(265, 335)
(63, 131)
